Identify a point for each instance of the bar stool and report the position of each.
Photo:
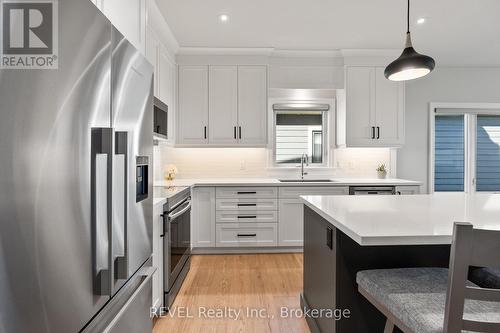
(438, 300)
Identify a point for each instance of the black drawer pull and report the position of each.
(247, 204)
(247, 216)
(247, 235)
(329, 238)
(247, 192)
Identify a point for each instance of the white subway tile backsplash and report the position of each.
(253, 163)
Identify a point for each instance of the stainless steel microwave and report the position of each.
(160, 127)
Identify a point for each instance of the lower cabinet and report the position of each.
(246, 234)
(158, 256)
(407, 189)
(203, 217)
(229, 216)
(291, 211)
(291, 227)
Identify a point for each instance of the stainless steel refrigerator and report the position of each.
(76, 184)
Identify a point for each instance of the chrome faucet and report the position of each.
(303, 159)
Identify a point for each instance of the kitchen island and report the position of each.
(346, 234)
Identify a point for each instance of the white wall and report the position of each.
(443, 85)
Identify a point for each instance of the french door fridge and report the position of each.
(76, 184)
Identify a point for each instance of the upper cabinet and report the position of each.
(193, 105)
(129, 17)
(252, 105)
(373, 112)
(223, 105)
(235, 113)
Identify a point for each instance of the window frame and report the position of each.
(325, 143)
(470, 111)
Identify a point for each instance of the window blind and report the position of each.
(449, 153)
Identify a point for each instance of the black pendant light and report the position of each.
(410, 64)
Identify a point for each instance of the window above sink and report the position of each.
(300, 129)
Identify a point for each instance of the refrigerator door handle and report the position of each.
(121, 262)
(101, 189)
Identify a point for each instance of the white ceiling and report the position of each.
(457, 32)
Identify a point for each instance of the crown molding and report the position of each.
(225, 51)
(307, 53)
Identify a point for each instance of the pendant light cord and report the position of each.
(408, 19)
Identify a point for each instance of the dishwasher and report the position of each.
(372, 190)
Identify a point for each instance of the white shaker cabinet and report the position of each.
(152, 46)
(360, 106)
(129, 17)
(223, 105)
(193, 105)
(252, 105)
(389, 106)
(203, 217)
(291, 211)
(408, 189)
(374, 108)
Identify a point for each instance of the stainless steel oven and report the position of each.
(176, 245)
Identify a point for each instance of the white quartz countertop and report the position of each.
(162, 193)
(406, 219)
(276, 182)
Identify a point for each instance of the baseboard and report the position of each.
(243, 250)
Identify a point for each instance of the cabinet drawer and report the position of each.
(247, 216)
(295, 192)
(408, 189)
(247, 204)
(247, 192)
(246, 234)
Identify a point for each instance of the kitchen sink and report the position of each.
(306, 180)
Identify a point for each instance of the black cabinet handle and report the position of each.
(240, 132)
(235, 132)
(373, 132)
(247, 216)
(378, 132)
(247, 204)
(205, 132)
(329, 238)
(246, 192)
(247, 235)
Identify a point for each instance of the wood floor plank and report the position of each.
(258, 285)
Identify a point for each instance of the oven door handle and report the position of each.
(173, 216)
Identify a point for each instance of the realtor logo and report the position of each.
(29, 34)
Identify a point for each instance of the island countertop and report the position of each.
(406, 219)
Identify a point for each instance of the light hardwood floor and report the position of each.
(265, 282)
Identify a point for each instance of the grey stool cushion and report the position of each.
(417, 296)
(485, 277)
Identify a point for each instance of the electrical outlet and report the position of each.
(243, 165)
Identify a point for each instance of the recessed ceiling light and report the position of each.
(223, 18)
(421, 20)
